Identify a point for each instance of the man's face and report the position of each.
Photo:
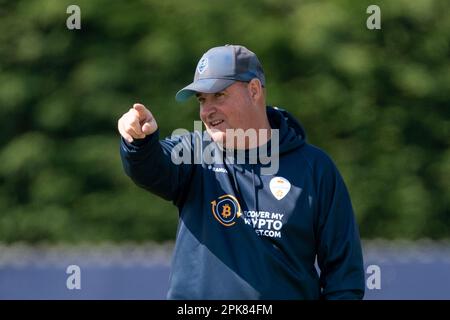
(231, 108)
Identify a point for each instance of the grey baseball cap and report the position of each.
(220, 67)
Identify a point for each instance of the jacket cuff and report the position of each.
(139, 144)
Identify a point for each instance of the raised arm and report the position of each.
(146, 160)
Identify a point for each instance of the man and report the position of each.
(244, 233)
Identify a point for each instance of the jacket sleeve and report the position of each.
(148, 162)
(339, 253)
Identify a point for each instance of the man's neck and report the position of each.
(257, 136)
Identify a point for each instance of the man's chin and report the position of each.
(218, 137)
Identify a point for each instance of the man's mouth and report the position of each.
(215, 123)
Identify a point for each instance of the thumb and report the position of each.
(149, 127)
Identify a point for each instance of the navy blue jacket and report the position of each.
(246, 235)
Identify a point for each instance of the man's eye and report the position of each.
(218, 94)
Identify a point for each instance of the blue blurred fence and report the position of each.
(408, 270)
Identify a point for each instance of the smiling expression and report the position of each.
(231, 108)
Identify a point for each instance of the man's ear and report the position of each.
(255, 89)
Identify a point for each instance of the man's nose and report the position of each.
(207, 109)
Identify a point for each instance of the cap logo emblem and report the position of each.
(202, 65)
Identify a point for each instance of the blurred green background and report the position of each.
(376, 100)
